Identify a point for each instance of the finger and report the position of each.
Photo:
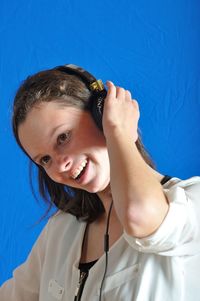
(111, 93)
(128, 95)
(135, 103)
(120, 93)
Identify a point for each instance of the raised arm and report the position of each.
(137, 194)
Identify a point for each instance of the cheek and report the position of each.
(52, 176)
(92, 136)
(60, 178)
(104, 161)
(56, 177)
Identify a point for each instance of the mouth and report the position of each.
(80, 172)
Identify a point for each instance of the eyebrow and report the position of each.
(35, 158)
(51, 133)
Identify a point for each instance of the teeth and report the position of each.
(79, 169)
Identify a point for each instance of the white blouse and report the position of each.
(164, 266)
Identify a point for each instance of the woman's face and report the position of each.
(66, 142)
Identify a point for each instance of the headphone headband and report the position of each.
(96, 86)
(92, 83)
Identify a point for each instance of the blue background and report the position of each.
(149, 47)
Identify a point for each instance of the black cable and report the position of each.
(106, 249)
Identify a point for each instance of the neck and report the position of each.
(106, 195)
(106, 198)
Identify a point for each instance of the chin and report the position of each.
(99, 188)
(93, 189)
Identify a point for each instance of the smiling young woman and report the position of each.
(64, 141)
(101, 179)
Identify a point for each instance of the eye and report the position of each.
(62, 138)
(45, 160)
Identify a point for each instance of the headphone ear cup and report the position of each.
(97, 104)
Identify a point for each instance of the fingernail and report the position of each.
(109, 82)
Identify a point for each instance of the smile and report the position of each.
(78, 171)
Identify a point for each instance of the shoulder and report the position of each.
(180, 228)
(61, 230)
(61, 217)
(63, 222)
(184, 195)
(191, 186)
(177, 182)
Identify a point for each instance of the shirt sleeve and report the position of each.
(179, 233)
(25, 283)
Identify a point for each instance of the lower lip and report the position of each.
(82, 179)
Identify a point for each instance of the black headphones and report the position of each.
(95, 86)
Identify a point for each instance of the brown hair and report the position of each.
(69, 90)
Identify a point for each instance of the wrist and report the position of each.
(119, 134)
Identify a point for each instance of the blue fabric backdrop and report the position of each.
(149, 47)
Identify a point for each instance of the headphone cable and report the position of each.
(106, 249)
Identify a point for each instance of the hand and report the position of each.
(121, 113)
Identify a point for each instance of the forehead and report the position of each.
(52, 107)
(44, 119)
(50, 112)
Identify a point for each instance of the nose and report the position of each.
(62, 163)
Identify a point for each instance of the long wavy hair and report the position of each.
(70, 90)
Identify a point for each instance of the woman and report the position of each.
(102, 182)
